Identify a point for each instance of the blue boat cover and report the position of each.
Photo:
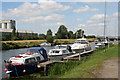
(41, 48)
(38, 48)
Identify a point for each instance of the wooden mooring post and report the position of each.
(79, 56)
(45, 70)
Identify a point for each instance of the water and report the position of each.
(14, 52)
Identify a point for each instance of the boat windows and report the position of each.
(64, 51)
(81, 42)
(38, 58)
(27, 61)
(32, 59)
(55, 51)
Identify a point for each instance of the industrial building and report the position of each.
(6, 27)
(7, 24)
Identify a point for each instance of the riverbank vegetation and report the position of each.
(62, 33)
(33, 43)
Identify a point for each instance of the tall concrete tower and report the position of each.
(8, 24)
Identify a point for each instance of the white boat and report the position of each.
(27, 62)
(99, 44)
(60, 46)
(96, 41)
(59, 52)
(80, 45)
(45, 44)
(106, 42)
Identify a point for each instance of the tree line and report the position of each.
(62, 33)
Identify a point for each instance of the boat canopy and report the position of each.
(40, 50)
(37, 48)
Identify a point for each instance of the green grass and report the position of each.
(83, 68)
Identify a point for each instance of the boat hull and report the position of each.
(18, 70)
(79, 50)
(58, 57)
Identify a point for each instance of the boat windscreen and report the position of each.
(33, 51)
(84, 42)
(81, 42)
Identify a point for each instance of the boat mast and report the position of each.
(105, 22)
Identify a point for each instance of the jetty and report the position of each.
(70, 57)
(77, 54)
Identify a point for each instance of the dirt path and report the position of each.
(109, 69)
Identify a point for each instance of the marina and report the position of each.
(7, 54)
(52, 39)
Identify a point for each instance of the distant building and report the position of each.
(7, 24)
(6, 27)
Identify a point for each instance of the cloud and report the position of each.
(52, 25)
(32, 11)
(52, 17)
(115, 14)
(79, 26)
(78, 20)
(98, 16)
(86, 8)
(90, 21)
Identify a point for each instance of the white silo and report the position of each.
(4, 25)
(9, 25)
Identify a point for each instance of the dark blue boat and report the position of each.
(26, 63)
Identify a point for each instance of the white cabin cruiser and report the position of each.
(99, 44)
(61, 46)
(27, 62)
(59, 52)
(81, 44)
(45, 44)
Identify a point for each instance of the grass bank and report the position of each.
(85, 68)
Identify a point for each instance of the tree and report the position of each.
(42, 36)
(26, 36)
(6, 37)
(91, 36)
(13, 36)
(79, 33)
(62, 32)
(49, 32)
(71, 35)
(50, 39)
(17, 35)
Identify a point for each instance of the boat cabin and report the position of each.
(59, 52)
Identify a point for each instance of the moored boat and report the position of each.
(81, 45)
(59, 52)
(99, 44)
(26, 63)
(45, 44)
